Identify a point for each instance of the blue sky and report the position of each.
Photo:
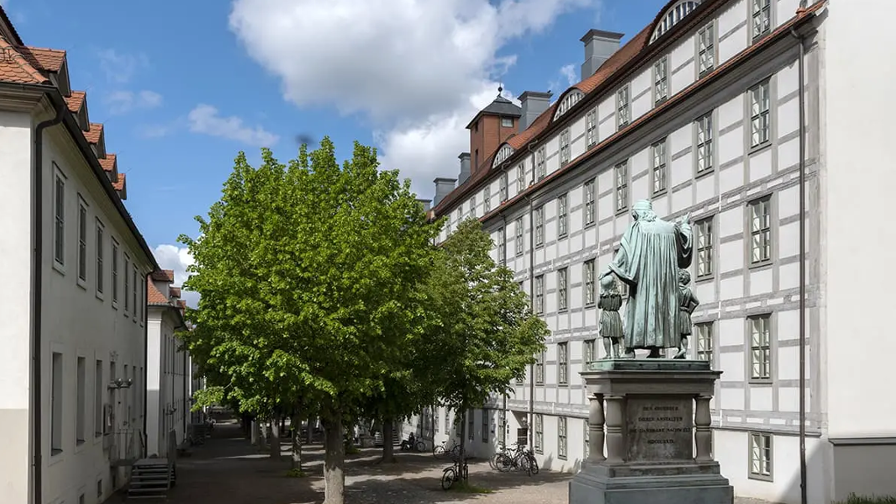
(183, 86)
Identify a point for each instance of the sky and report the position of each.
(184, 86)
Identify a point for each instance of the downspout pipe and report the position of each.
(802, 309)
(531, 426)
(148, 279)
(504, 264)
(37, 244)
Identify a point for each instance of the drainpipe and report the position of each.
(37, 244)
(802, 311)
(504, 399)
(147, 279)
(531, 426)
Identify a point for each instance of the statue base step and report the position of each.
(665, 484)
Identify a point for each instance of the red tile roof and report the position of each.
(16, 68)
(75, 101)
(154, 296)
(174, 292)
(93, 134)
(108, 163)
(47, 60)
(163, 275)
(119, 184)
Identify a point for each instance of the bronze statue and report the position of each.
(610, 321)
(687, 303)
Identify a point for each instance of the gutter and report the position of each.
(802, 309)
(37, 244)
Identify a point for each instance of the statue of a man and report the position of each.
(651, 253)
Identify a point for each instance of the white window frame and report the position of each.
(704, 144)
(760, 330)
(81, 266)
(539, 295)
(623, 107)
(562, 438)
(759, 98)
(502, 250)
(589, 202)
(487, 198)
(760, 18)
(540, 165)
(706, 49)
(704, 259)
(703, 344)
(520, 178)
(588, 282)
(562, 289)
(591, 128)
(565, 149)
(760, 228)
(538, 437)
(100, 253)
(562, 215)
(661, 80)
(58, 218)
(502, 187)
(761, 456)
(659, 177)
(539, 226)
(563, 363)
(519, 230)
(620, 177)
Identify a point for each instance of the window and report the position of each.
(127, 267)
(762, 20)
(703, 241)
(561, 438)
(567, 102)
(704, 143)
(82, 240)
(563, 363)
(502, 187)
(589, 202)
(622, 107)
(471, 425)
(760, 455)
(81, 420)
(621, 172)
(56, 404)
(760, 356)
(502, 251)
(706, 49)
(506, 122)
(703, 331)
(521, 379)
(98, 399)
(134, 291)
(564, 147)
(591, 128)
(100, 247)
(142, 298)
(760, 231)
(473, 206)
(587, 438)
(562, 290)
(539, 368)
(114, 273)
(539, 226)
(59, 218)
(562, 216)
(759, 114)
(518, 245)
(540, 170)
(487, 198)
(459, 215)
(520, 178)
(588, 348)
(588, 275)
(485, 425)
(660, 80)
(539, 294)
(673, 16)
(659, 167)
(539, 434)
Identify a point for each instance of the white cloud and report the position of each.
(177, 258)
(206, 119)
(569, 71)
(119, 67)
(122, 102)
(420, 69)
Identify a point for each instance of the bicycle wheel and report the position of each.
(438, 450)
(448, 477)
(421, 446)
(533, 465)
(503, 462)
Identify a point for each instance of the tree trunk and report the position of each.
(310, 432)
(275, 437)
(388, 442)
(295, 426)
(463, 438)
(334, 463)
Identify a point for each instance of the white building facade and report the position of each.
(168, 368)
(714, 109)
(72, 365)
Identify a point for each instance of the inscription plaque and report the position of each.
(658, 429)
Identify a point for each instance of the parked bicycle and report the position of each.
(412, 443)
(442, 450)
(519, 459)
(457, 472)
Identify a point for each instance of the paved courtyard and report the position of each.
(227, 469)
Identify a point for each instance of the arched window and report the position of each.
(567, 102)
(503, 153)
(673, 15)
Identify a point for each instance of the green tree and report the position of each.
(483, 333)
(308, 275)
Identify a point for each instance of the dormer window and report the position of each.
(506, 122)
(567, 102)
(503, 153)
(672, 16)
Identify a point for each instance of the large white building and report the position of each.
(169, 384)
(73, 305)
(715, 108)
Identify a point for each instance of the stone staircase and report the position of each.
(151, 479)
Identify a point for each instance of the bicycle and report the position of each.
(440, 450)
(456, 472)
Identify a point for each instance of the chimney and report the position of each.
(443, 187)
(533, 104)
(599, 46)
(425, 203)
(464, 168)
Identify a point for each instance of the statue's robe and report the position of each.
(648, 261)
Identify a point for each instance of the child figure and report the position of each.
(610, 322)
(687, 303)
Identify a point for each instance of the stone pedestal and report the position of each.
(654, 416)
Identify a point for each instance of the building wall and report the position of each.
(15, 300)
(81, 327)
(736, 290)
(857, 173)
(168, 400)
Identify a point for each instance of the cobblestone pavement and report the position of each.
(228, 470)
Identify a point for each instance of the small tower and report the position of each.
(491, 127)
